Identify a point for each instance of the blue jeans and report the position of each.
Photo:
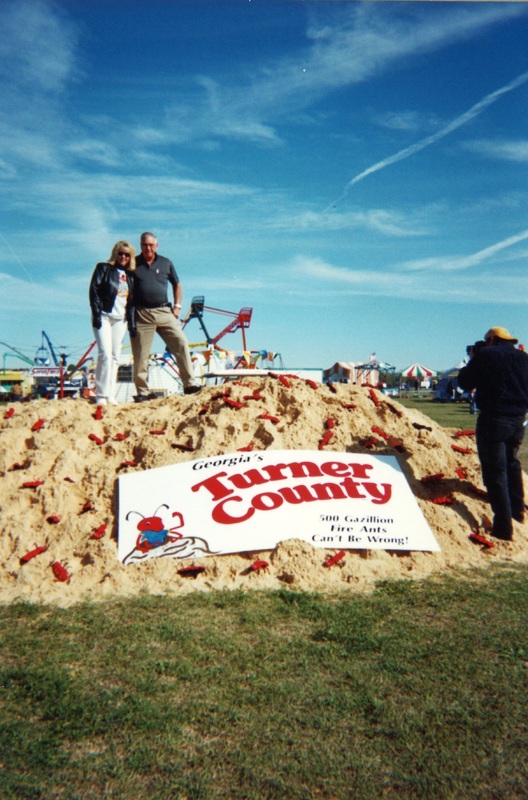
(498, 442)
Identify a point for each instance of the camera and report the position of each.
(473, 349)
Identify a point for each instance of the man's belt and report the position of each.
(153, 308)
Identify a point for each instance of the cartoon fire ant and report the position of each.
(152, 531)
(155, 539)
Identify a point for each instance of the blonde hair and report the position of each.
(127, 246)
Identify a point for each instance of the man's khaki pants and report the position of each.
(159, 320)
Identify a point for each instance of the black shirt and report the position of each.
(499, 373)
(151, 283)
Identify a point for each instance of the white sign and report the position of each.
(45, 372)
(254, 500)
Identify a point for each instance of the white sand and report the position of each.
(75, 470)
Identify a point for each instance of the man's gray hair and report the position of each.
(145, 235)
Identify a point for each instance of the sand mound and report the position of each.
(74, 460)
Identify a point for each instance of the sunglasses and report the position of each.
(124, 254)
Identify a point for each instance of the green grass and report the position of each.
(449, 415)
(415, 691)
(453, 415)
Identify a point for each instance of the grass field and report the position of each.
(453, 415)
(417, 690)
(449, 415)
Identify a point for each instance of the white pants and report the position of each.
(109, 338)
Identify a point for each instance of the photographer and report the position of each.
(473, 349)
(499, 373)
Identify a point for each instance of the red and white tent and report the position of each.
(354, 372)
(418, 371)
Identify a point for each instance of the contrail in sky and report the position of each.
(20, 264)
(464, 262)
(467, 116)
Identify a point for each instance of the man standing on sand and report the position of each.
(155, 314)
(499, 373)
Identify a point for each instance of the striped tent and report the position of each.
(418, 371)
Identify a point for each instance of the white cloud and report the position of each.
(6, 170)
(454, 263)
(513, 150)
(421, 280)
(150, 136)
(56, 296)
(455, 124)
(409, 121)
(89, 212)
(362, 42)
(38, 61)
(96, 151)
(27, 147)
(364, 281)
(378, 220)
(37, 45)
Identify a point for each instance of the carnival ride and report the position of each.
(240, 321)
(51, 375)
(209, 355)
(14, 353)
(46, 352)
(8, 378)
(44, 356)
(48, 374)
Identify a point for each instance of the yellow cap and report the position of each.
(500, 333)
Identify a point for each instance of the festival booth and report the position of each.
(353, 372)
(419, 374)
(210, 368)
(447, 388)
(163, 375)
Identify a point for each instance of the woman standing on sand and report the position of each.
(112, 312)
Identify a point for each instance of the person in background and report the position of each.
(112, 313)
(16, 392)
(499, 373)
(155, 314)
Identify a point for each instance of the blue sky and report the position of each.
(355, 172)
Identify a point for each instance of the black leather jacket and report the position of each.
(103, 292)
